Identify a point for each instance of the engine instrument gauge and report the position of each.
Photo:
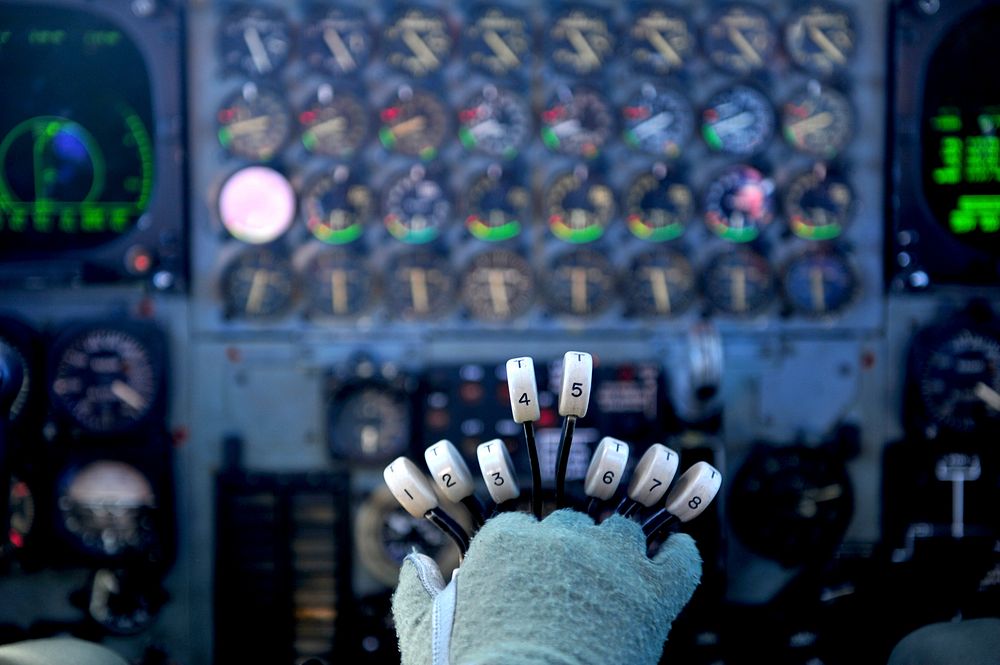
(739, 204)
(581, 282)
(255, 40)
(337, 40)
(498, 285)
(661, 283)
(738, 121)
(959, 382)
(20, 341)
(820, 37)
(818, 121)
(420, 285)
(335, 123)
(740, 38)
(661, 41)
(739, 282)
(256, 204)
(415, 124)
(577, 122)
(497, 205)
(370, 424)
(254, 123)
(337, 206)
(658, 206)
(818, 204)
(579, 206)
(820, 282)
(416, 207)
(497, 41)
(258, 284)
(338, 284)
(494, 122)
(658, 121)
(579, 41)
(417, 41)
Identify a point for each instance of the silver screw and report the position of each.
(929, 7)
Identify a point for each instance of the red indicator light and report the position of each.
(636, 112)
(554, 114)
(468, 115)
(390, 114)
(307, 117)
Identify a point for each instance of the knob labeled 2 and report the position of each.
(449, 470)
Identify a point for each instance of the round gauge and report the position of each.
(498, 285)
(337, 206)
(106, 379)
(254, 123)
(577, 122)
(257, 205)
(820, 282)
(416, 208)
(334, 124)
(494, 122)
(497, 205)
(739, 204)
(337, 40)
(739, 282)
(818, 204)
(258, 284)
(21, 509)
(580, 41)
(959, 382)
(818, 121)
(417, 41)
(255, 40)
(105, 506)
(338, 284)
(415, 124)
(579, 206)
(658, 206)
(660, 41)
(497, 41)
(370, 424)
(740, 38)
(420, 285)
(661, 282)
(580, 282)
(820, 38)
(118, 604)
(738, 121)
(19, 342)
(658, 121)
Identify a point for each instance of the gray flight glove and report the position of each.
(562, 591)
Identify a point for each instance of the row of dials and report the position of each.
(256, 123)
(257, 205)
(499, 40)
(500, 284)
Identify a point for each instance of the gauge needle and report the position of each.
(338, 291)
(578, 292)
(818, 292)
(744, 47)
(249, 126)
(258, 52)
(339, 50)
(661, 292)
(811, 497)
(988, 395)
(420, 49)
(369, 439)
(334, 125)
(414, 124)
(735, 123)
(818, 121)
(664, 47)
(738, 290)
(128, 394)
(258, 286)
(582, 47)
(498, 292)
(499, 46)
(821, 40)
(655, 124)
(418, 290)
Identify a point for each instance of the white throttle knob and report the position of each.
(523, 390)
(695, 489)
(606, 468)
(578, 373)
(498, 471)
(449, 471)
(653, 474)
(410, 487)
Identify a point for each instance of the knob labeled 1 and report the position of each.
(653, 474)
(498, 471)
(523, 390)
(449, 470)
(694, 491)
(410, 487)
(578, 373)
(606, 468)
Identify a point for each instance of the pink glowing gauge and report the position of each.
(257, 205)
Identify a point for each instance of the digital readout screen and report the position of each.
(76, 152)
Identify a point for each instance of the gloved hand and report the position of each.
(562, 591)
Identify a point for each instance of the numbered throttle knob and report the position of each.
(449, 471)
(410, 487)
(694, 491)
(523, 390)
(653, 474)
(498, 471)
(578, 373)
(606, 469)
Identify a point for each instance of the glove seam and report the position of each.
(442, 622)
(422, 575)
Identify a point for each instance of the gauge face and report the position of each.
(416, 124)
(334, 124)
(370, 424)
(497, 41)
(417, 41)
(579, 206)
(820, 283)
(495, 122)
(498, 285)
(661, 283)
(821, 38)
(660, 41)
(738, 121)
(416, 207)
(577, 122)
(658, 121)
(255, 40)
(258, 284)
(739, 204)
(818, 204)
(338, 284)
(960, 382)
(106, 380)
(420, 285)
(337, 206)
(740, 38)
(658, 207)
(581, 282)
(498, 205)
(337, 40)
(739, 282)
(818, 121)
(580, 42)
(254, 123)
(257, 204)
(21, 508)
